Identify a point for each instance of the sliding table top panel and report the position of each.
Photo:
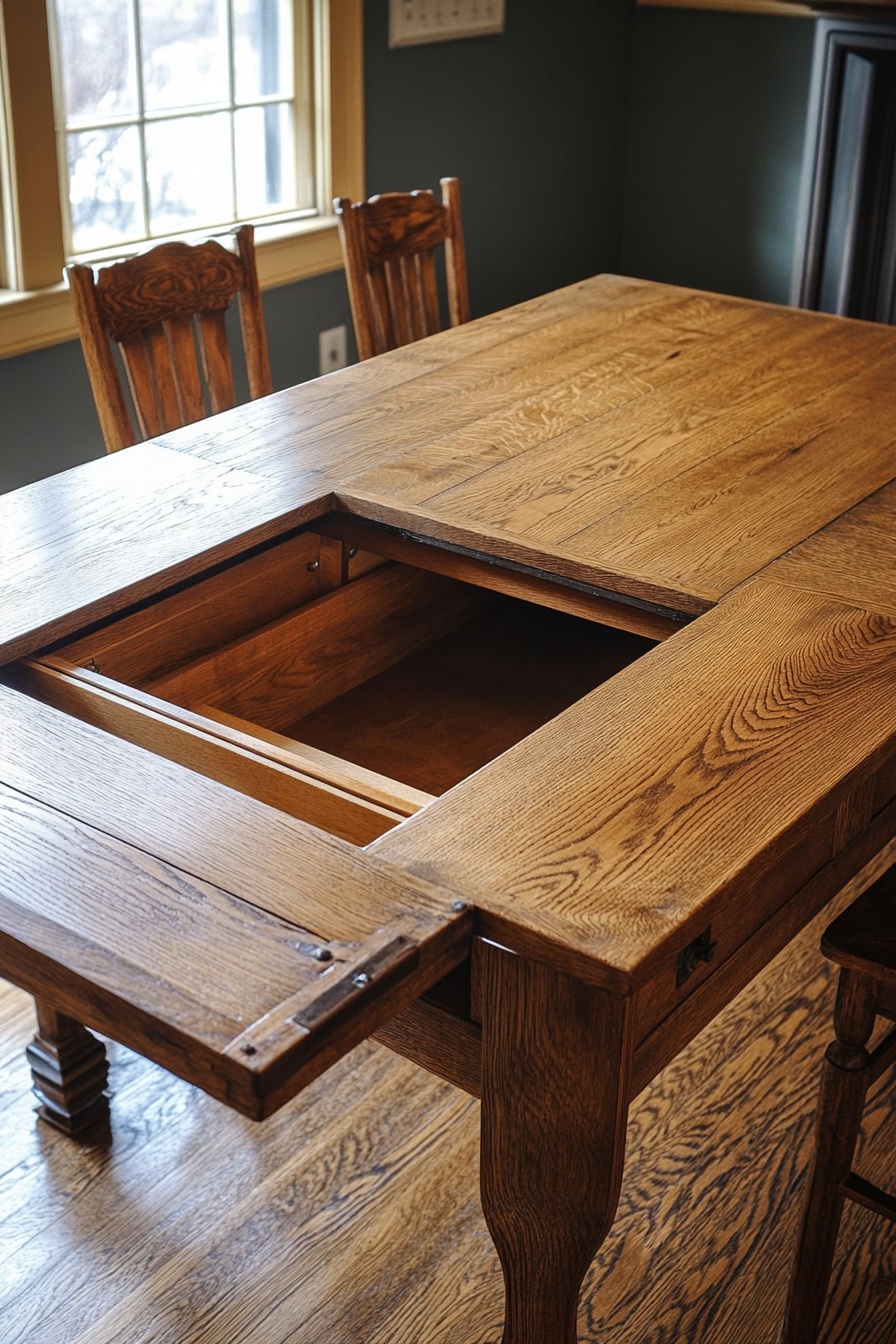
(655, 441)
(646, 440)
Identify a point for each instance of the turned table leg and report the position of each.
(68, 1070)
(845, 1078)
(555, 1064)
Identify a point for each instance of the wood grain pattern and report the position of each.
(354, 1211)
(338, 427)
(147, 305)
(203, 616)
(198, 980)
(170, 281)
(719, 484)
(631, 387)
(323, 765)
(714, 789)
(850, 873)
(95, 539)
(628, 863)
(439, 1042)
(853, 558)
(499, 579)
(554, 1106)
(726, 517)
(278, 783)
(277, 674)
(442, 713)
(202, 827)
(387, 243)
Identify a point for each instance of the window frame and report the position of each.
(35, 309)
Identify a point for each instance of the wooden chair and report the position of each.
(388, 246)
(862, 941)
(148, 305)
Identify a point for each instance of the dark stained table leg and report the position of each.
(555, 1065)
(845, 1075)
(69, 1071)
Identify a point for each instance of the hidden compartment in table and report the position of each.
(333, 683)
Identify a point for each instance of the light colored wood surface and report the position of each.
(691, 481)
(104, 535)
(202, 827)
(853, 558)
(647, 440)
(357, 1203)
(658, 822)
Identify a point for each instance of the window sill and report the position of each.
(29, 321)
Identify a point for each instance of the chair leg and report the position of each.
(844, 1083)
(68, 1072)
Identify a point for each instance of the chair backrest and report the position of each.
(148, 304)
(388, 246)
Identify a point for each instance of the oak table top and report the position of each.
(713, 473)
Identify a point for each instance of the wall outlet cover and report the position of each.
(332, 349)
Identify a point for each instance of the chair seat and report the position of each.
(863, 942)
(863, 938)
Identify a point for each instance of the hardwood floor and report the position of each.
(353, 1215)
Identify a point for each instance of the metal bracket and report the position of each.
(401, 953)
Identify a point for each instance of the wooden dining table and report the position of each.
(616, 572)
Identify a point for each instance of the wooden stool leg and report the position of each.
(844, 1082)
(555, 1064)
(68, 1070)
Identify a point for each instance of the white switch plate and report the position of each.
(332, 350)
(414, 21)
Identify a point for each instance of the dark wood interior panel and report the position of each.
(447, 710)
(292, 666)
(205, 616)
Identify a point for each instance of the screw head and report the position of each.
(457, 906)
(248, 1048)
(322, 954)
(360, 979)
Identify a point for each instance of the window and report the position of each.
(182, 114)
(173, 117)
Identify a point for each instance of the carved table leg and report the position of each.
(555, 1064)
(68, 1070)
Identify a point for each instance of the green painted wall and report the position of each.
(661, 142)
(716, 125)
(533, 124)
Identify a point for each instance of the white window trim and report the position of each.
(38, 314)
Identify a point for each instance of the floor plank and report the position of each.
(353, 1214)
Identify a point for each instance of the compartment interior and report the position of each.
(441, 713)
(341, 687)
